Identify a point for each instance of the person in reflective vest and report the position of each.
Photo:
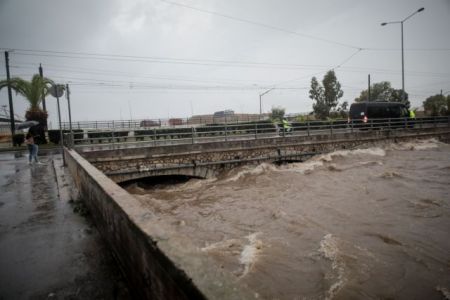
(286, 126)
(412, 114)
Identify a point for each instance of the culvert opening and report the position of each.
(156, 182)
(288, 161)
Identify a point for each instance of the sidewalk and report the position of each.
(46, 250)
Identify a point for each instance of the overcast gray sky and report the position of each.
(174, 58)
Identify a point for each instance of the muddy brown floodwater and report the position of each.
(360, 224)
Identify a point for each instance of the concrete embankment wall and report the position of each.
(156, 261)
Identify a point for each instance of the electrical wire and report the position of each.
(261, 25)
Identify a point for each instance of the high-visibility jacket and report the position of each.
(412, 114)
(286, 124)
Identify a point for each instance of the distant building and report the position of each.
(227, 116)
(175, 121)
(223, 113)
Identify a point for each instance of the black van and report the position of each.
(363, 112)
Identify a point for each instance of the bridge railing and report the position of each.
(118, 138)
(167, 122)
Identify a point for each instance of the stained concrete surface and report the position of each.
(46, 250)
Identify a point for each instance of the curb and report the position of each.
(63, 181)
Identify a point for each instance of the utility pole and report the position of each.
(41, 73)
(11, 108)
(403, 54)
(368, 90)
(70, 114)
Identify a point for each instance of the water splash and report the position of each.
(416, 145)
(250, 252)
(251, 170)
(330, 250)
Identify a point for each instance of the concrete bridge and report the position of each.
(157, 261)
(207, 159)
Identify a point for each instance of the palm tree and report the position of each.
(33, 91)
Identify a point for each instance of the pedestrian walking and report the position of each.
(32, 148)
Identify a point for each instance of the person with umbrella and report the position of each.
(32, 147)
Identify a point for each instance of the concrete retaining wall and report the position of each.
(157, 262)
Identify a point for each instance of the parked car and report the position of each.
(378, 113)
(149, 123)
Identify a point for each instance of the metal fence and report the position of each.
(241, 131)
(5, 128)
(170, 122)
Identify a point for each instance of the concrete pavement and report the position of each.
(46, 250)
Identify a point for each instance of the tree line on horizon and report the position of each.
(326, 95)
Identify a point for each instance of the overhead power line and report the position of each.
(116, 73)
(150, 59)
(272, 27)
(321, 72)
(263, 25)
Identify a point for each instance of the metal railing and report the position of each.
(117, 138)
(170, 122)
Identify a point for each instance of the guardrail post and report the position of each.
(154, 136)
(389, 124)
(256, 131)
(331, 128)
(112, 134)
(192, 132)
(226, 131)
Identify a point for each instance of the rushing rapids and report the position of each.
(364, 223)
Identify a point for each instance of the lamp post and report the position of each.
(260, 101)
(403, 56)
(57, 90)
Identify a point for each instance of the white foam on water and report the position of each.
(416, 145)
(303, 168)
(251, 170)
(370, 163)
(318, 161)
(330, 250)
(390, 174)
(221, 245)
(375, 151)
(250, 253)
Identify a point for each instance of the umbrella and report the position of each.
(26, 124)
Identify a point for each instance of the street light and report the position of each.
(260, 98)
(57, 90)
(403, 59)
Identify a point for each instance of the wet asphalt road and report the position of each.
(46, 250)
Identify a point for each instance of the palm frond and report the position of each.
(32, 90)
